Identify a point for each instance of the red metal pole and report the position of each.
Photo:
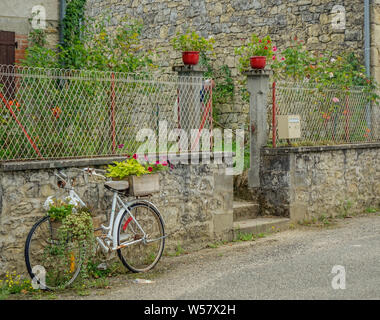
(206, 113)
(113, 112)
(21, 126)
(274, 125)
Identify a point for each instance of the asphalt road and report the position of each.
(295, 264)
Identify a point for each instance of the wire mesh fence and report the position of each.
(328, 115)
(55, 113)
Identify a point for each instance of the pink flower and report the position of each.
(164, 163)
(274, 48)
(274, 58)
(145, 157)
(335, 100)
(150, 169)
(120, 146)
(282, 59)
(157, 162)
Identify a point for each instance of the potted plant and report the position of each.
(191, 44)
(143, 179)
(255, 53)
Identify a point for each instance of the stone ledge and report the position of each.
(84, 162)
(258, 72)
(306, 149)
(189, 68)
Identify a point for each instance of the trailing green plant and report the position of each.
(78, 228)
(78, 225)
(192, 41)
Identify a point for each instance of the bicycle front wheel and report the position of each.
(141, 256)
(51, 260)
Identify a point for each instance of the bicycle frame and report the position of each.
(114, 220)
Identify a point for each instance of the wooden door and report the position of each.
(7, 57)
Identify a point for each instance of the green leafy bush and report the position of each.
(92, 47)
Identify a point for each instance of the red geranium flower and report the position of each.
(150, 169)
(134, 156)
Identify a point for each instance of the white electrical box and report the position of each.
(289, 127)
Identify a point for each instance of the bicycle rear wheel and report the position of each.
(144, 255)
(58, 257)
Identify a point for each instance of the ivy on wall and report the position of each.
(74, 16)
(72, 21)
(224, 89)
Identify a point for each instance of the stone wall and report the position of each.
(230, 22)
(195, 202)
(307, 182)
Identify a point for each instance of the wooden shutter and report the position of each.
(7, 57)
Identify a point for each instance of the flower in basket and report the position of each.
(59, 209)
(256, 47)
(141, 177)
(132, 167)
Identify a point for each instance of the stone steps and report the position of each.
(246, 219)
(260, 225)
(245, 210)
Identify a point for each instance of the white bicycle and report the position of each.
(135, 231)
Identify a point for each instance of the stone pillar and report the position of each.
(375, 60)
(190, 86)
(258, 86)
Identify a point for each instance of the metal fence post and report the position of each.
(257, 86)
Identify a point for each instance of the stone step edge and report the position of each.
(261, 225)
(245, 210)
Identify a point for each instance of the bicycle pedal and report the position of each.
(102, 266)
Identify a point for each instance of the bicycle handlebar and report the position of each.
(62, 176)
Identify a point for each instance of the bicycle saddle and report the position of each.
(117, 185)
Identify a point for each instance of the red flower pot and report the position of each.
(258, 62)
(190, 57)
